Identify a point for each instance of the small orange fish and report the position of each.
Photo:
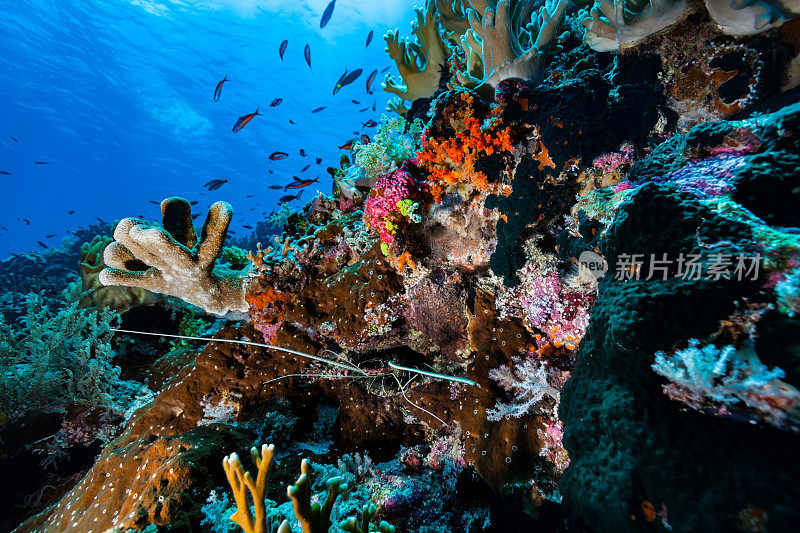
(244, 119)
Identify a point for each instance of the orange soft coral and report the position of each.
(452, 159)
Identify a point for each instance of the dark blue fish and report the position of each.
(71, 212)
(195, 216)
(156, 203)
(50, 236)
(385, 70)
(307, 55)
(218, 90)
(369, 124)
(362, 110)
(305, 168)
(288, 197)
(276, 102)
(318, 160)
(244, 119)
(282, 48)
(13, 139)
(370, 80)
(302, 152)
(318, 109)
(356, 102)
(292, 121)
(213, 185)
(277, 156)
(245, 226)
(5, 173)
(369, 37)
(40, 163)
(43, 245)
(193, 202)
(276, 187)
(346, 79)
(326, 15)
(374, 104)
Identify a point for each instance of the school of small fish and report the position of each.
(347, 78)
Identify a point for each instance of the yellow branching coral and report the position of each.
(166, 260)
(507, 46)
(419, 63)
(242, 483)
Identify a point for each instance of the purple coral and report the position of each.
(710, 176)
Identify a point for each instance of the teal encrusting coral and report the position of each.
(628, 442)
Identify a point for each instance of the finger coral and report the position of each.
(171, 261)
(419, 62)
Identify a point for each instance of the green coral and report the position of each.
(51, 358)
(236, 257)
(396, 141)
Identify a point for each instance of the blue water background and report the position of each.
(116, 96)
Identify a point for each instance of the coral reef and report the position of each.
(560, 292)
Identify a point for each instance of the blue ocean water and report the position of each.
(116, 96)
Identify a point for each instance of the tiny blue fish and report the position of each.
(288, 197)
(282, 48)
(318, 109)
(369, 38)
(370, 80)
(218, 90)
(346, 79)
(213, 185)
(276, 102)
(307, 55)
(326, 15)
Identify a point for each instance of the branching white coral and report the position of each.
(726, 378)
(528, 381)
